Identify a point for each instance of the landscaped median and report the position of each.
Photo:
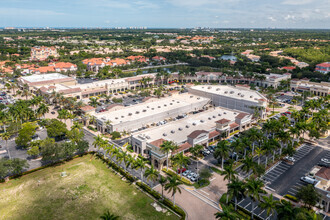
(183, 179)
(81, 188)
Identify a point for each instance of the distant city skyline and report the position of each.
(166, 13)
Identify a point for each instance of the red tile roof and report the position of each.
(326, 64)
(158, 142)
(222, 121)
(241, 115)
(233, 125)
(182, 147)
(324, 173)
(87, 108)
(196, 133)
(214, 134)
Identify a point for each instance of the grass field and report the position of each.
(88, 190)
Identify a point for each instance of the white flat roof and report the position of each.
(150, 108)
(230, 91)
(44, 77)
(182, 128)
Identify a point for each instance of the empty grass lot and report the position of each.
(88, 190)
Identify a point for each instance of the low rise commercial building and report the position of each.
(318, 89)
(149, 112)
(242, 99)
(323, 187)
(323, 67)
(69, 87)
(201, 128)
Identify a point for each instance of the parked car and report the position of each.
(181, 170)
(325, 160)
(193, 179)
(309, 180)
(53, 113)
(185, 173)
(290, 159)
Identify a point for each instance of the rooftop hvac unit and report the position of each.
(164, 134)
(137, 112)
(148, 106)
(144, 110)
(191, 96)
(202, 121)
(187, 126)
(238, 93)
(194, 123)
(172, 131)
(226, 92)
(152, 108)
(242, 95)
(209, 87)
(218, 89)
(209, 118)
(251, 96)
(219, 114)
(148, 137)
(158, 106)
(180, 129)
(213, 116)
(171, 103)
(129, 114)
(122, 116)
(116, 117)
(198, 98)
(224, 112)
(231, 92)
(165, 105)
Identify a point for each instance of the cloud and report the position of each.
(289, 17)
(28, 12)
(271, 18)
(297, 2)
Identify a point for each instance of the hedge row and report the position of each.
(144, 187)
(164, 201)
(292, 198)
(183, 180)
(117, 168)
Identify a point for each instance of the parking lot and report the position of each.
(280, 168)
(286, 180)
(246, 203)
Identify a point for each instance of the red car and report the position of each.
(182, 170)
(288, 113)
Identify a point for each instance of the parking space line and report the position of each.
(261, 212)
(247, 205)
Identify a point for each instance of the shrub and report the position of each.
(91, 128)
(292, 198)
(183, 180)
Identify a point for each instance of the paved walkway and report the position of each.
(194, 207)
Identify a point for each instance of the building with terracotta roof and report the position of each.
(201, 128)
(42, 53)
(323, 187)
(323, 67)
(318, 89)
(63, 66)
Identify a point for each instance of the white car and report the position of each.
(194, 179)
(291, 159)
(325, 160)
(309, 180)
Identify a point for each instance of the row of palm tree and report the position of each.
(131, 163)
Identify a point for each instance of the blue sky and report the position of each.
(166, 13)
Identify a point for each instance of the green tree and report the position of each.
(269, 204)
(25, 134)
(308, 195)
(253, 190)
(56, 129)
(115, 135)
(180, 160)
(162, 181)
(236, 189)
(173, 186)
(222, 151)
(226, 214)
(109, 216)
(151, 174)
(167, 147)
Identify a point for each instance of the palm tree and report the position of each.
(167, 147)
(140, 164)
(222, 151)
(269, 204)
(25, 93)
(162, 181)
(285, 210)
(98, 142)
(226, 214)
(259, 151)
(129, 161)
(108, 216)
(151, 174)
(181, 161)
(254, 135)
(248, 164)
(228, 172)
(173, 186)
(6, 136)
(253, 190)
(236, 189)
(284, 138)
(43, 109)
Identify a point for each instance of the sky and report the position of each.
(166, 13)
